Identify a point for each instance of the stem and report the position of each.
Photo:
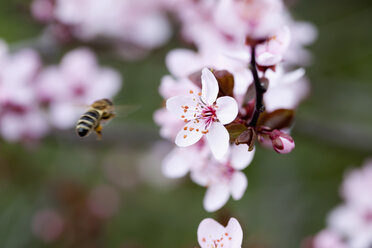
(260, 90)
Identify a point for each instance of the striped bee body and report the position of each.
(101, 110)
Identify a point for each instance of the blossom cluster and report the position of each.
(350, 224)
(241, 85)
(136, 24)
(36, 98)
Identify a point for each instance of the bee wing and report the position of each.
(125, 110)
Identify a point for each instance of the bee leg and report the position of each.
(98, 131)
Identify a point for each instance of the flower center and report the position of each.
(208, 114)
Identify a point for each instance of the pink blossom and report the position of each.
(213, 234)
(357, 186)
(286, 89)
(328, 239)
(73, 85)
(43, 10)
(142, 23)
(20, 117)
(222, 178)
(47, 225)
(204, 114)
(183, 62)
(272, 51)
(351, 222)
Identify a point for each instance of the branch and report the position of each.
(260, 90)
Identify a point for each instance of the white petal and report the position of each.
(227, 109)
(215, 197)
(176, 164)
(235, 232)
(241, 157)
(238, 185)
(218, 140)
(208, 231)
(209, 87)
(187, 136)
(176, 103)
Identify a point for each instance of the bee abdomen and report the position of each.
(87, 122)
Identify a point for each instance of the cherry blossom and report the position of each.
(204, 114)
(271, 52)
(211, 234)
(34, 98)
(74, 84)
(350, 224)
(328, 239)
(139, 23)
(222, 178)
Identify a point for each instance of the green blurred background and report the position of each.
(288, 196)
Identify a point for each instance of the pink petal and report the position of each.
(218, 140)
(241, 157)
(188, 135)
(235, 232)
(177, 163)
(268, 59)
(227, 109)
(238, 185)
(176, 103)
(209, 87)
(199, 178)
(182, 62)
(208, 231)
(216, 196)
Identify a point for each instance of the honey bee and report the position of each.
(100, 111)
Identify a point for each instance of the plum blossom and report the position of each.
(33, 98)
(222, 178)
(139, 23)
(328, 239)
(20, 117)
(211, 234)
(256, 46)
(271, 52)
(351, 223)
(73, 85)
(204, 114)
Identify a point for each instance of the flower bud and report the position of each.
(282, 143)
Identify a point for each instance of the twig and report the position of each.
(260, 90)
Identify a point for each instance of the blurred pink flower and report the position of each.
(286, 89)
(142, 23)
(43, 10)
(272, 51)
(47, 224)
(104, 201)
(328, 239)
(351, 222)
(212, 234)
(73, 85)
